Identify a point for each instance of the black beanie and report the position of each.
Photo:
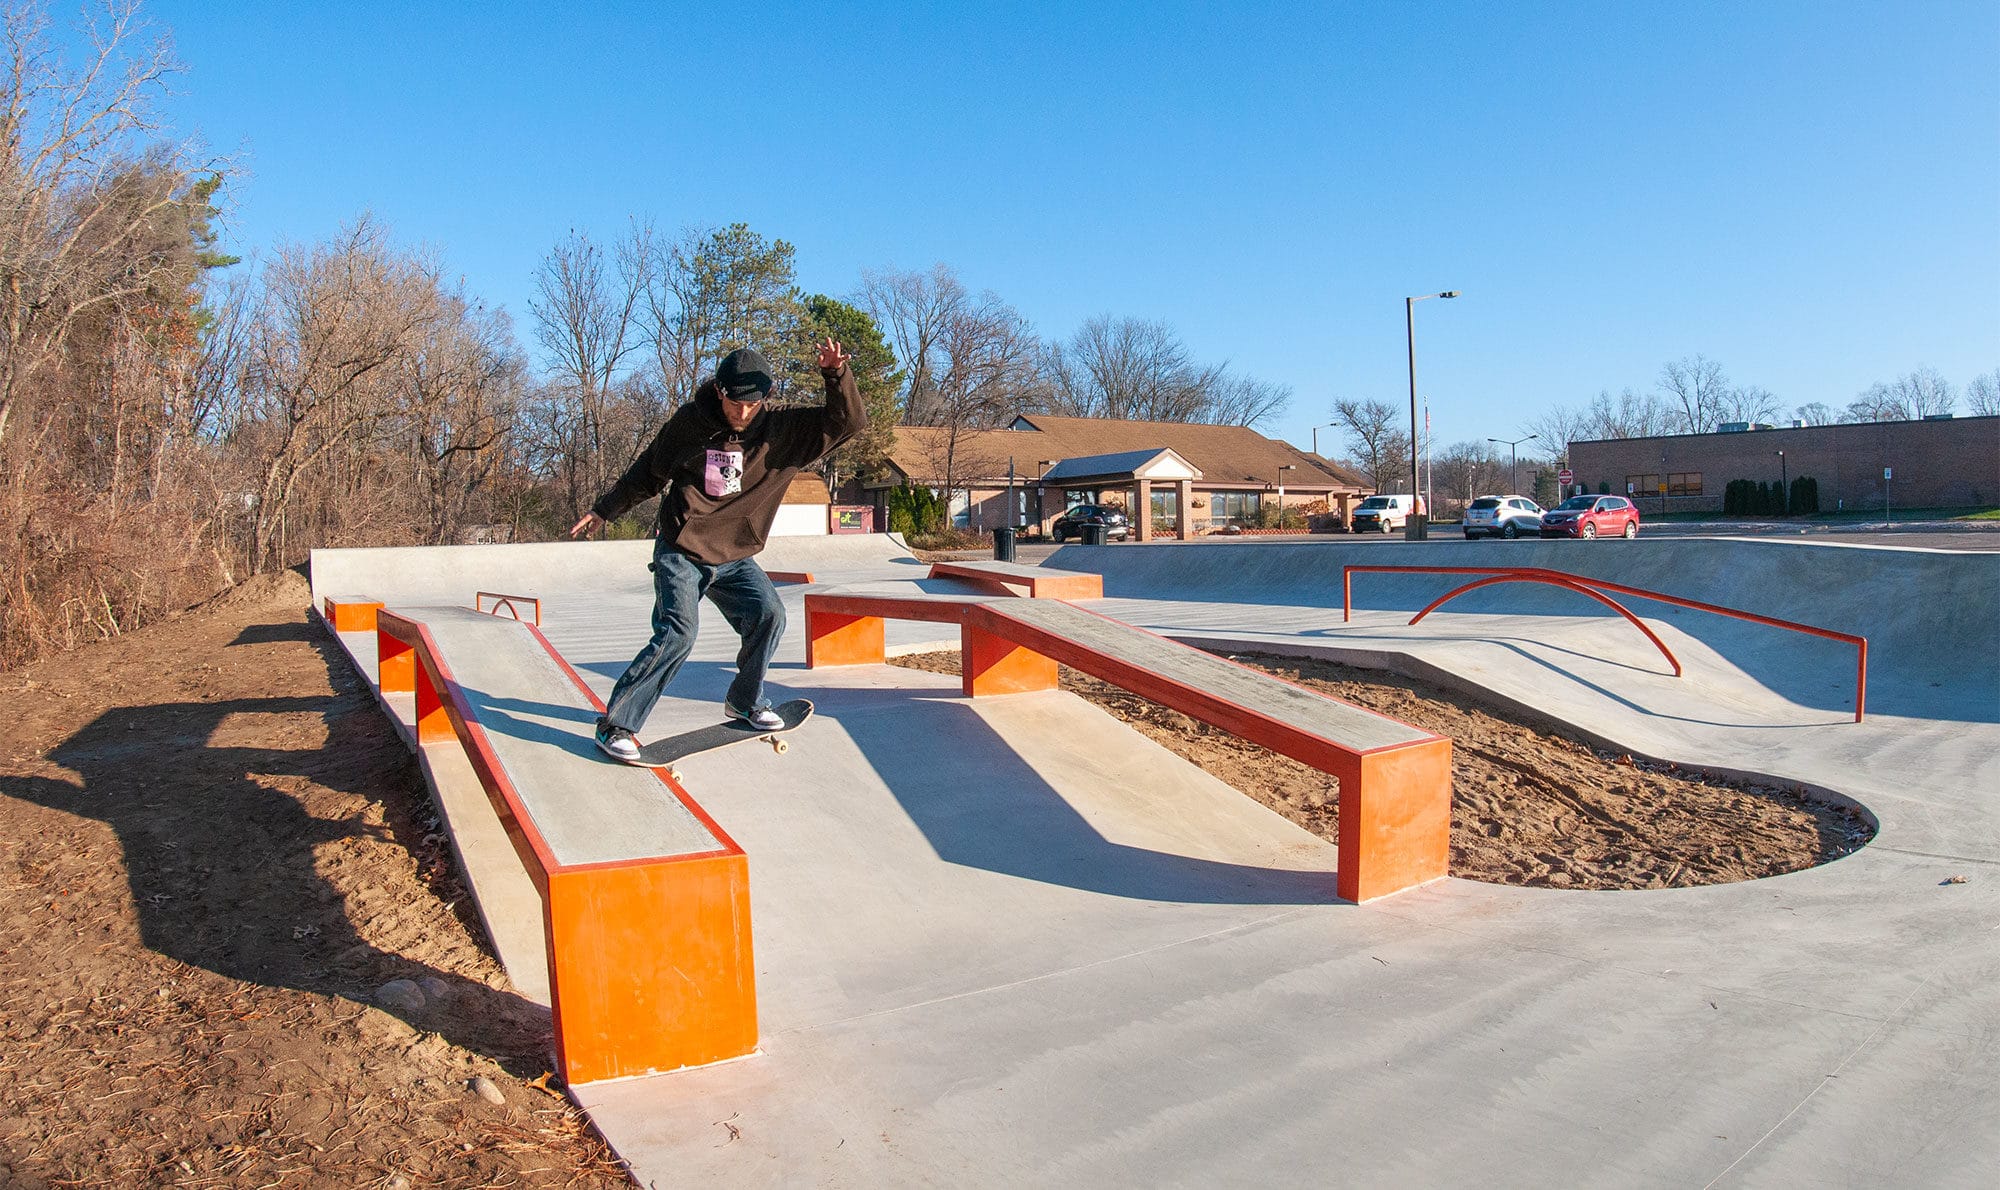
(742, 372)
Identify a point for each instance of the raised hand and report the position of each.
(831, 357)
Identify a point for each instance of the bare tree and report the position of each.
(583, 309)
(1915, 395)
(913, 309)
(1245, 400)
(1134, 369)
(1560, 426)
(1633, 415)
(1815, 413)
(1747, 404)
(82, 189)
(463, 383)
(983, 372)
(1124, 368)
(1697, 390)
(336, 318)
(1982, 394)
(1377, 448)
(1467, 470)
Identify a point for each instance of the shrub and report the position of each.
(915, 511)
(948, 537)
(1805, 496)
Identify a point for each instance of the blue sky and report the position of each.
(1807, 193)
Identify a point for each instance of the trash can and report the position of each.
(1417, 528)
(1093, 534)
(1003, 544)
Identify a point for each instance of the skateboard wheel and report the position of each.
(780, 746)
(675, 775)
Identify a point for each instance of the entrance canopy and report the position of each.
(1156, 465)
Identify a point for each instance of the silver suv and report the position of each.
(1502, 516)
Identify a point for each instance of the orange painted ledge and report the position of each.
(650, 960)
(1054, 584)
(348, 614)
(1395, 801)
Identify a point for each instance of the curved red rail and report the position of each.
(1577, 581)
(1579, 588)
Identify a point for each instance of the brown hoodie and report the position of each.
(723, 487)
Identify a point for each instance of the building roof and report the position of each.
(1222, 456)
(807, 488)
(1130, 464)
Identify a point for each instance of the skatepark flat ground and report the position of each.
(1009, 941)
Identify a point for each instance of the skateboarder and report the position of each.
(724, 462)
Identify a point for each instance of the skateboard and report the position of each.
(663, 753)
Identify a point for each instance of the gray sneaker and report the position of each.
(617, 743)
(763, 718)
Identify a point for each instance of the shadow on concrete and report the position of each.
(981, 805)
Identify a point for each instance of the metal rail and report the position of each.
(479, 599)
(1579, 588)
(1586, 585)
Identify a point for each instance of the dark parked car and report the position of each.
(1592, 516)
(1070, 524)
(1502, 516)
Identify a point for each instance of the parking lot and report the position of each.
(1971, 536)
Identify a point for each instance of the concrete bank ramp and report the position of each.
(1932, 617)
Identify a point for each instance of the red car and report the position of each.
(1592, 516)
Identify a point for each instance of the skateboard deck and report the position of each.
(664, 753)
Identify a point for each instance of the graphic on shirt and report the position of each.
(724, 474)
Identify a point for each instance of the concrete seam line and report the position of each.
(1821, 1085)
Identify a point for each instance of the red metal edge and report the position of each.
(1555, 579)
(729, 845)
(519, 824)
(1061, 648)
(1860, 642)
(508, 601)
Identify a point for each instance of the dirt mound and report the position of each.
(284, 592)
(215, 854)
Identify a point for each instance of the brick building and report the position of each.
(1947, 463)
(1175, 479)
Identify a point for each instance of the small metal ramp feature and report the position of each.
(1395, 779)
(645, 901)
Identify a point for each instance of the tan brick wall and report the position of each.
(1937, 464)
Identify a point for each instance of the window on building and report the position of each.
(1684, 483)
(1642, 485)
(1237, 507)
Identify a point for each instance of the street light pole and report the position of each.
(1327, 425)
(1784, 486)
(1415, 528)
(1513, 463)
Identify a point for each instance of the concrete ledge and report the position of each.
(1395, 780)
(645, 901)
(1040, 582)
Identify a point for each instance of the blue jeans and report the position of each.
(746, 598)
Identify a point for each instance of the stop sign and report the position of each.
(1565, 477)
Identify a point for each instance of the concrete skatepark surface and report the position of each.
(1009, 941)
